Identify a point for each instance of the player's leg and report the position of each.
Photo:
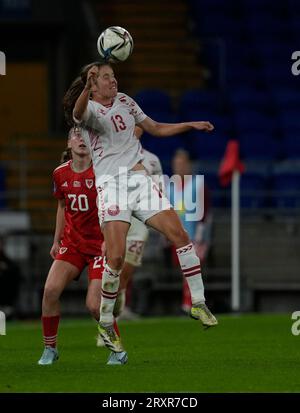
(93, 297)
(60, 275)
(125, 276)
(114, 233)
(135, 243)
(168, 223)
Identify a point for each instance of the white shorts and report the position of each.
(135, 243)
(130, 194)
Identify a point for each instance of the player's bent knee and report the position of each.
(115, 262)
(179, 237)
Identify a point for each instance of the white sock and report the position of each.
(191, 268)
(109, 292)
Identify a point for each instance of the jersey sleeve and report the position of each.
(136, 111)
(57, 193)
(87, 116)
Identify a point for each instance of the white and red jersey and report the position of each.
(153, 167)
(82, 228)
(151, 163)
(109, 133)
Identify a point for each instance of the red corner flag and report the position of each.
(230, 163)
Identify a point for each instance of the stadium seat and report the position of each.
(259, 146)
(164, 148)
(279, 73)
(290, 119)
(286, 190)
(266, 24)
(291, 144)
(259, 7)
(154, 100)
(253, 191)
(222, 123)
(250, 98)
(217, 193)
(206, 145)
(198, 99)
(287, 98)
(251, 120)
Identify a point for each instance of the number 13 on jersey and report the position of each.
(118, 122)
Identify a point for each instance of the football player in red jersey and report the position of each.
(78, 242)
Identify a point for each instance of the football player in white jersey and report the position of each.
(108, 119)
(137, 234)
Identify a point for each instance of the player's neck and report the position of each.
(80, 164)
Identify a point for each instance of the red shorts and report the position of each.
(71, 255)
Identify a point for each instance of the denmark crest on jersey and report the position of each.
(89, 183)
(113, 210)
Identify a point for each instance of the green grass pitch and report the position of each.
(246, 353)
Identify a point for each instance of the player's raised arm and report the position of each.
(83, 99)
(169, 129)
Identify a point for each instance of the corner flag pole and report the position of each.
(235, 241)
(230, 171)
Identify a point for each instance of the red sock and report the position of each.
(116, 328)
(50, 327)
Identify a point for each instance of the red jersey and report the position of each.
(82, 229)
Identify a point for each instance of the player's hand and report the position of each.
(91, 80)
(54, 249)
(204, 126)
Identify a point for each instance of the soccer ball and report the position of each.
(115, 44)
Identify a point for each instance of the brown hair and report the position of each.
(67, 153)
(75, 90)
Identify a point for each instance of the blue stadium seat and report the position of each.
(286, 190)
(197, 100)
(259, 146)
(222, 123)
(206, 145)
(279, 73)
(242, 74)
(274, 52)
(223, 25)
(287, 98)
(290, 120)
(250, 98)
(265, 24)
(164, 148)
(250, 120)
(253, 192)
(216, 191)
(154, 100)
(291, 144)
(259, 7)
